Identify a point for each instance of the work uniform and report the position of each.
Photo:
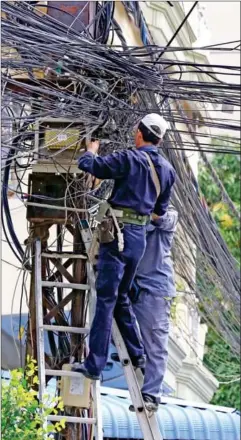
(154, 289)
(134, 189)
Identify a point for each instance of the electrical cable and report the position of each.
(177, 31)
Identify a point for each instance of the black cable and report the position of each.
(176, 32)
(19, 253)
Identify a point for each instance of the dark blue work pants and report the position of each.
(116, 271)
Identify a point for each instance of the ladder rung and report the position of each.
(66, 328)
(63, 373)
(65, 285)
(63, 255)
(69, 419)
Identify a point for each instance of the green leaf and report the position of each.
(20, 410)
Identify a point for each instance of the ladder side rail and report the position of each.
(87, 238)
(148, 423)
(96, 384)
(92, 292)
(39, 318)
(97, 411)
(86, 235)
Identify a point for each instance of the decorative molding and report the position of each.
(186, 37)
(198, 379)
(174, 17)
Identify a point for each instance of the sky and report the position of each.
(223, 19)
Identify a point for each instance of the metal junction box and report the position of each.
(75, 391)
(47, 189)
(58, 144)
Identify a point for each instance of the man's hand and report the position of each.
(155, 216)
(93, 146)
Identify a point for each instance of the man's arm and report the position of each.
(112, 166)
(164, 198)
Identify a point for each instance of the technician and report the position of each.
(143, 181)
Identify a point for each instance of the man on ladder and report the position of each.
(152, 293)
(143, 183)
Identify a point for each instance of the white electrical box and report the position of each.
(75, 391)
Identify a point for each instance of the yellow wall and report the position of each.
(130, 31)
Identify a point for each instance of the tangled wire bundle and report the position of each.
(109, 89)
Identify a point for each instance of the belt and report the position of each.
(128, 215)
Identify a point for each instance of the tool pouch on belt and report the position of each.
(106, 231)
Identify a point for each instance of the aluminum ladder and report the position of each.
(96, 421)
(147, 421)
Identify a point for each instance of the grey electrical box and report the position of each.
(58, 144)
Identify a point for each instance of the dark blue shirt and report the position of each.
(134, 187)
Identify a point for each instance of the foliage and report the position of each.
(227, 167)
(173, 311)
(219, 358)
(22, 415)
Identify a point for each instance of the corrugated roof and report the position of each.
(176, 422)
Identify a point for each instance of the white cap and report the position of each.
(159, 121)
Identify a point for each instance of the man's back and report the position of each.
(134, 186)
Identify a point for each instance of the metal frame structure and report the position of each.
(40, 284)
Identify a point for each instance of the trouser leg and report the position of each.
(125, 318)
(156, 343)
(110, 273)
(153, 319)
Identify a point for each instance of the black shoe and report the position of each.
(80, 368)
(137, 361)
(151, 403)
